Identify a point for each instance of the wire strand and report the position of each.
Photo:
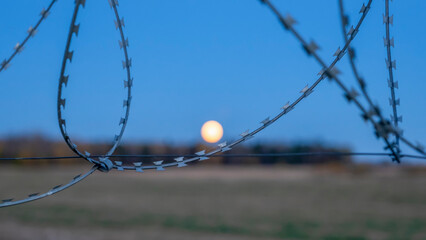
(250, 155)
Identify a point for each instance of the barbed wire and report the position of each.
(104, 163)
(383, 128)
(389, 42)
(32, 31)
(390, 65)
(36, 196)
(361, 82)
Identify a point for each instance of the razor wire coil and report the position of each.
(384, 128)
(104, 162)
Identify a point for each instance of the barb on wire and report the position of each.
(36, 196)
(391, 65)
(328, 71)
(32, 31)
(104, 163)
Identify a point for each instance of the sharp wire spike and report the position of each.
(76, 29)
(245, 133)
(305, 89)
(288, 21)
(311, 48)
(113, 3)
(201, 153)
(266, 121)
(286, 106)
(180, 162)
(138, 167)
(159, 165)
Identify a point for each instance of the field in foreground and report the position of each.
(236, 203)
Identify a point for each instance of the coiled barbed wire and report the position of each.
(104, 163)
(388, 42)
(383, 128)
(328, 72)
(361, 82)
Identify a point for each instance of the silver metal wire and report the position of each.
(361, 82)
(391, 65)
(103, 164)
(103, 161)
(36, 196)
(250, 155)
(389, 42)
(19, 47)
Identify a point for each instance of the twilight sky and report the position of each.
(194, 61)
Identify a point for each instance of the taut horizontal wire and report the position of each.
(253, 155)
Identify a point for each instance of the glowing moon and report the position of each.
(212, 131)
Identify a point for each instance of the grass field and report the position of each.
(236, 203)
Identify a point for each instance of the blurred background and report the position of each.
(195, 61)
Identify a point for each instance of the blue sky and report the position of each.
(194, 61)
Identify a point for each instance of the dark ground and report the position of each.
(211, 202)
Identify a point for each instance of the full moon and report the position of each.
(212, 131)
